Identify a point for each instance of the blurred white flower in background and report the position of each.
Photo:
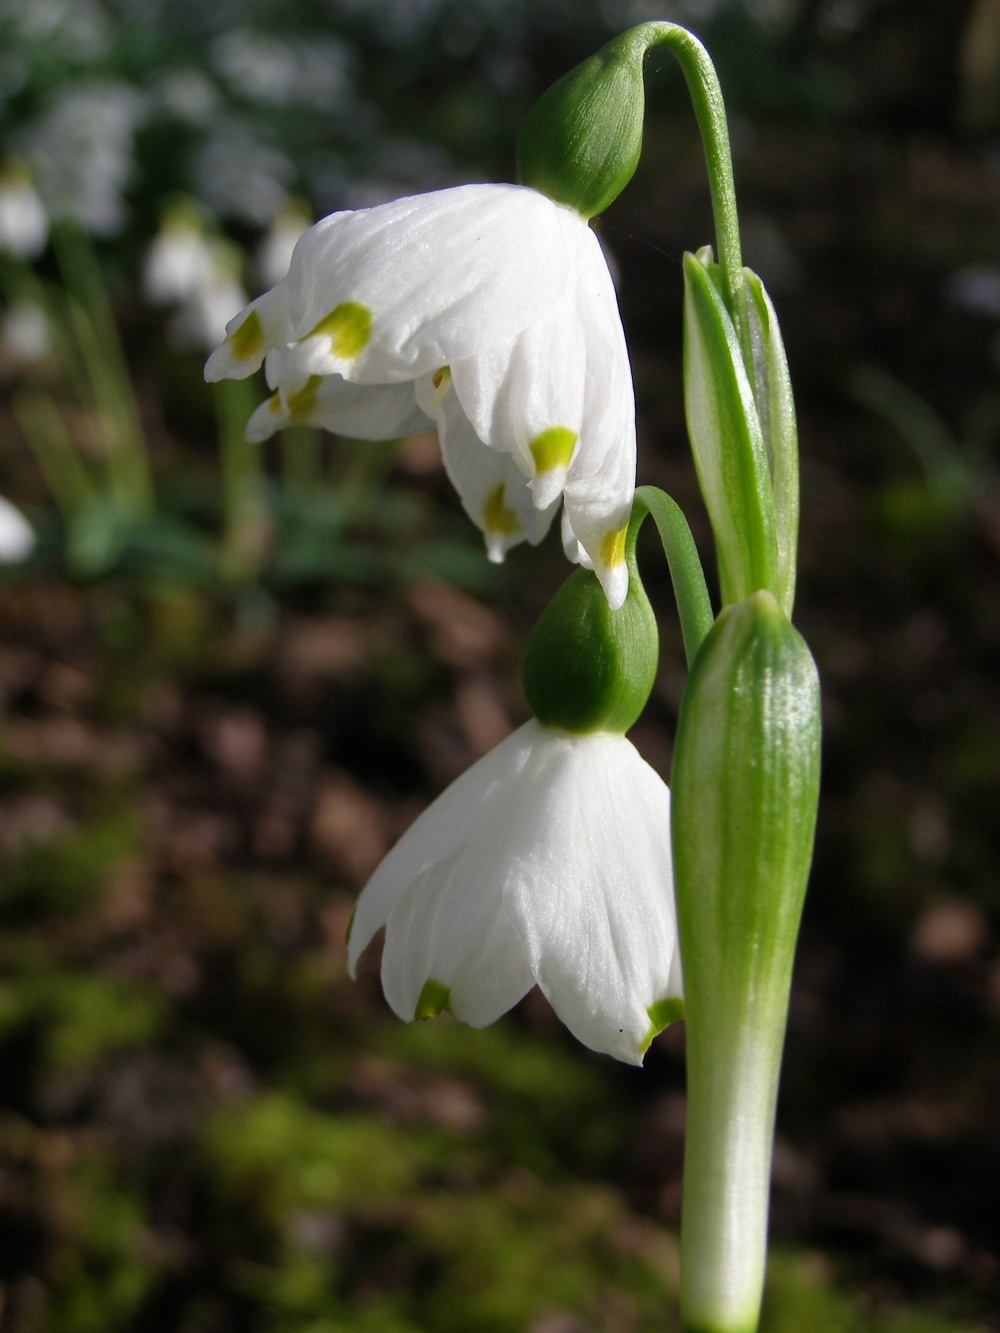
(177, 263)
(264, 68)
(79, 31)
(17, 538)
(238, 176)
(187, 94)
(197, 272)
(25, 333)
(81, 151)
(546, 863)
(275, 251)
(24, 223)
(975, 288)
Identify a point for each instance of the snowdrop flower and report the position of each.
(275, 253)
(200, 273)
(24, 223)
(547, 863)
(177, 262)
(201, 320)
(25, 333)
(82, 153)
(485, 310)
(17, 540)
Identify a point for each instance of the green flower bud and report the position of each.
(588, 668)
(745, 788)
(581, 141)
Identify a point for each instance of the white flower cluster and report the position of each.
(486, 311)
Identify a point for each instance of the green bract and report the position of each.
(726, 437)
(741, 420)
(581, 141)
(588, 668)
(776, 412)
(745, 788)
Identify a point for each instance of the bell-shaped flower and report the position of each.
(198, 272)
(547, 863)
(485, 310)
(24, 223)
(17, 537)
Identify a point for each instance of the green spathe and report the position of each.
(745, 787)
(588, 668)
(726, 437)
(581, 141)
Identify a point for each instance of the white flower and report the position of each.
(17, 540)
(177, 262)
(199, 273)
(81, 150)
(548, 862)
(201, 320)
(24, 223)
(275, 252)
(491, 310)
(25, 333)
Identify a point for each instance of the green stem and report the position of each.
(107, 368)
(58, 458)
(710, 111)
(301, 460)
(694, 606)
(245, 516)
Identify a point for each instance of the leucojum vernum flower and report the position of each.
(559, 860)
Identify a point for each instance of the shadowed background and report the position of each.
(228, 683)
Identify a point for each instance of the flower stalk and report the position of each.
(745, 783)
(746, 766)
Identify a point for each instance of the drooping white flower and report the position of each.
(275, 253)
(547, 862)
(25, 333)
(202, 318)
(177, 262)
(24, 223)
(493, 308)
(17, 539)
(198, 272)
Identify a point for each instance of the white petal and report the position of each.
(527, 399)
(598, 505)
(593, 890)
(269, 416)
(494, 492)
(249, 337)
(443, 276)
(442, 830)
(601, 483)
(368, 411)
(451, 926)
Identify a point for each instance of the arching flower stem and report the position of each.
(694, 606)
(710, 111)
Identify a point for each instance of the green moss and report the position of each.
(281, 1154)
(69, 872)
